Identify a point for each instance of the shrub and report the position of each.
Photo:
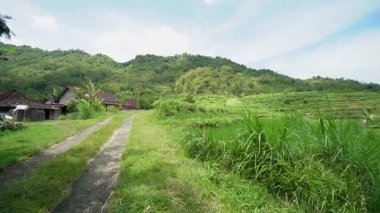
(146, 101)
(85, 110)
(188, 98)
(72, 105)
(10, 125)
(97, 105)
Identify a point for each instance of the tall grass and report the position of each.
(319, 165)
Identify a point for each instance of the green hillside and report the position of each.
(40, 74)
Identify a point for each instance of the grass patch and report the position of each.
(317, 165)
(156, 176)
(17, 146)
(48, 183)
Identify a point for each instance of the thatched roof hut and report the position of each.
(9, 100)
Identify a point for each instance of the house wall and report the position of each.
(130, 104)
(19, 116)
(54, 114)
(35, 115)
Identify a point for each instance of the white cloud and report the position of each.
(295, 28)
(126, 42)
(355, 58)
(252, 36)
(210, 2)
(44, 22)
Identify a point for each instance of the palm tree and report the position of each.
(4, 29)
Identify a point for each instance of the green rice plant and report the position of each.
(319, 165)
(173, 106)
(349, 149)
(214, 121)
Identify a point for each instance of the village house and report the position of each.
(107, 98)
(27, 109)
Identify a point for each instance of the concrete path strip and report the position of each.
(92, 190)
(24, 168)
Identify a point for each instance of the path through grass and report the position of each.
(157, 177)
(47, 185)
(17, 146)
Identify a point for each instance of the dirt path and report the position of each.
(24, 168)
(92, 190)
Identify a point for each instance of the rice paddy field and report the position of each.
(311, 151)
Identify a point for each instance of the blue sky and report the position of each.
(297, 38)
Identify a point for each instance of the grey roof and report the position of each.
(14, 98)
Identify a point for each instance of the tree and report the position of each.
(4, 29)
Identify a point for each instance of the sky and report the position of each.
(333, 38)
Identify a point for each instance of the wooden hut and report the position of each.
(35, 111)
(107, 98)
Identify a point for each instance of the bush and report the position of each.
(10, 125)
(85, 110)
(97, 105)
(188, 98)
(72, 105)
(146, 101)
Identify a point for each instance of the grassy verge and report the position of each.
(48, 183)
(156, 176)
(17, 146)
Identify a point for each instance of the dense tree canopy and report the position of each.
(213, 81)
(37, 73)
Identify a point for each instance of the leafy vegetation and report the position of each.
(284, 156)
(9, 125)
(320, 167)
(308, 149)
(38, 73)
(86, 103)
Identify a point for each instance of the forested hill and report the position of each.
(39, 73)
